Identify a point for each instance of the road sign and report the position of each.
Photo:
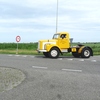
(18, 38)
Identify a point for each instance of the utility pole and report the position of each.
(57, 17)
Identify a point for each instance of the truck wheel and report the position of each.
(86, 53)
(75, 54)
(46, 54)
(54, 53)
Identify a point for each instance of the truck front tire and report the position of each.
(54, 53)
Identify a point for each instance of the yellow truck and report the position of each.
(59, 44)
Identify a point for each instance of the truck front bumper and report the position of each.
(41, 51)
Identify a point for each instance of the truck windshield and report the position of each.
(56, 36)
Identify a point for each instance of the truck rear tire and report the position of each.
(54, 53)
(86, 53)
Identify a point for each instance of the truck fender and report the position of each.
(57, 48)
(82, 47)
(50, 46)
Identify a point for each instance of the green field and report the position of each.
(23, 48)
(30, 48)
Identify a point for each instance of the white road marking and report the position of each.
(32, 56)
(24, 56)
(81, 60)
(93, 61)
(37, 67)
(70, 59)
(59, 59)
(71, 70)
(17, 55)
(10, 55)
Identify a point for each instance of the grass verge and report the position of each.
(20, 51)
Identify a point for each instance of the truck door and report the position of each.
(64, 41)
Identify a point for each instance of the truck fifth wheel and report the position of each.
(59, 44)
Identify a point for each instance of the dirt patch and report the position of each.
(10, 78)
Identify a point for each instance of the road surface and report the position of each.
(65, 78)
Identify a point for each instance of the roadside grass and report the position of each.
(20, 51)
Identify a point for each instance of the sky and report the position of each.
(34, 20)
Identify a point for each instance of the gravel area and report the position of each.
(10, 78)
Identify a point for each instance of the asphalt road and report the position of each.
(65, 78)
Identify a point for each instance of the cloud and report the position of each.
(78, 17)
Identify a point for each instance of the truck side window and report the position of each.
(63, 36)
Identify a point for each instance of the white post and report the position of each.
(17, 48)
(57, 17)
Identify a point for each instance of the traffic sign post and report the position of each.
(18, 38)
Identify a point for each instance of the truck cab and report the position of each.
(63, 40)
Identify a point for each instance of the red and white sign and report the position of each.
(18, 38)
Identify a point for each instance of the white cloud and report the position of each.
(78, 17)
(39, 3)
(82, 5)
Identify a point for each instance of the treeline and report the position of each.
(12, 46)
